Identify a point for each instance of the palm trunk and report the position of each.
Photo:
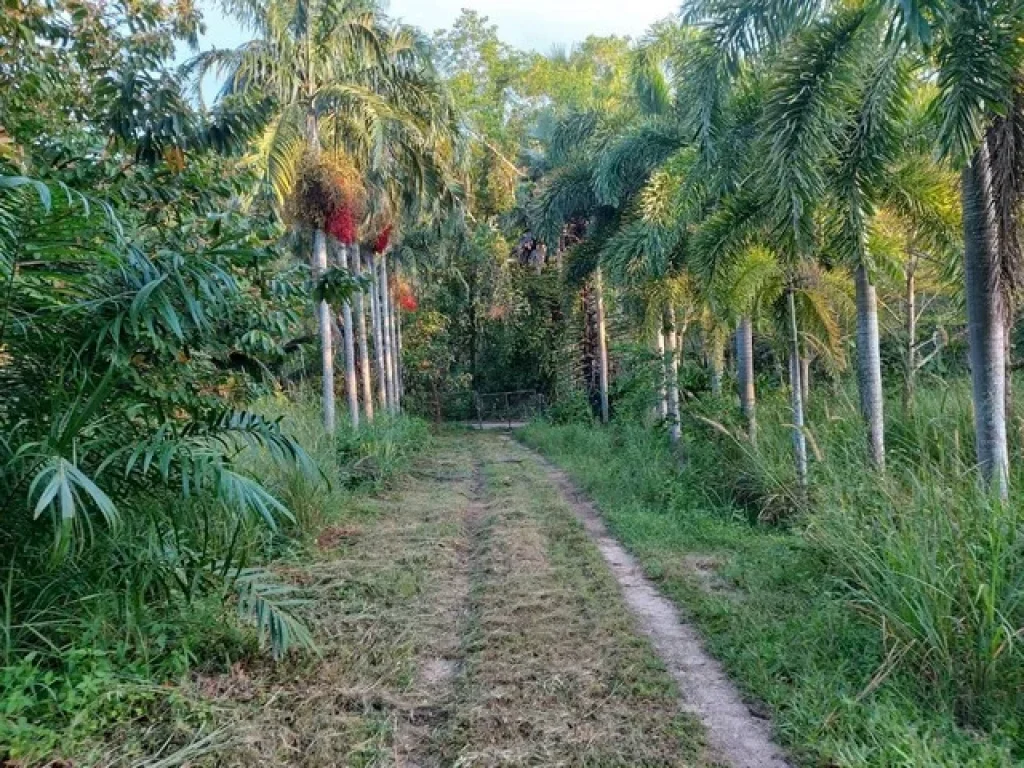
(805, 378)
(326, 338)
(396, 354)
(323, 311)
(1008, 365)
(401, 366)
(663, 388)
(869, 366)
(745, 375)
(364, 351)
(385, 313)
(985, 321)
(348, 341)
(910, 352)
(796, 395)
(672, 369)
(602, 344)
(716, 361)
(377, 322)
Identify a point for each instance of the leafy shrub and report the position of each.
(571, 408)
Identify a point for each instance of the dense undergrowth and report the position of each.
(93, 643)
(878, 616)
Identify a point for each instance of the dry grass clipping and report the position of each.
(556, 674)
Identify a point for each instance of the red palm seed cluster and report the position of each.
(383, 240)
(341, 224)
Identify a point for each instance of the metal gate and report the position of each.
(497, 410)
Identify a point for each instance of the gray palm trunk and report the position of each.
(364, 351)
(745, 375)
(396, 353)
(663, 388)
(602, 344)
(385, 314)
(326, 338)
(716, 362)
(400, 373)
(985, 321)
(377, 322)
(796, 395)
(805, 378)
(672, 370)
(869, 366)
(348, 341)
(323, 311)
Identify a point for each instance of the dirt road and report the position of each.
(478, 615)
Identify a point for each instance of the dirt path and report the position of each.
(466, 618)
(735, 735)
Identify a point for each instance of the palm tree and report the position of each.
(687, 151)
(798, 118)
(977, 51)
(566, 210)
(335, 67)
(303, 53)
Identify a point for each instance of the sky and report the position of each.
(540, 25)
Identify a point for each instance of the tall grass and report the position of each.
(921, 555)
(922, 550)
(938, 568)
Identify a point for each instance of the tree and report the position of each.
(334, 66)
(977, 53)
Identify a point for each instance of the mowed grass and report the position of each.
(462, 618)
(772, 610)
(384, 588)
(556, 673)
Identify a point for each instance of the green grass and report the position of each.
(93, 644)
(794, 626)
